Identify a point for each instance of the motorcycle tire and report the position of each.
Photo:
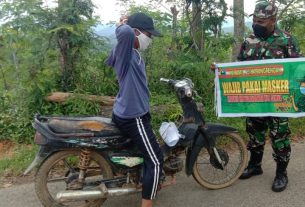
(210, 175)
(41, 179)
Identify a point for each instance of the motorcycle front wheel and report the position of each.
(232, 151)
(60, 169)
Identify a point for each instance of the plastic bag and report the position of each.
(169, 133)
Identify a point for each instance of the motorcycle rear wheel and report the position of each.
(53, 176)
(232, 151)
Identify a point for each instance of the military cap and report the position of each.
(264, 10)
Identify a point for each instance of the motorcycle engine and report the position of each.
(172, 165)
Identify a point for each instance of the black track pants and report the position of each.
(140, 131)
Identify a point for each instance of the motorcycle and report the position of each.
(82, 161)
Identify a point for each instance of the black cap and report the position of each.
(143, 22)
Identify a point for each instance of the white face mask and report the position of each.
(144, 41)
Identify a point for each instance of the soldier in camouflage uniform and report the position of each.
(268, 42)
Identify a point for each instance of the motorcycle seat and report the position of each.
(100, 126)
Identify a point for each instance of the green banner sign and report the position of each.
(274, 87)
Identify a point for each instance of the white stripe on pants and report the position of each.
(152, 156)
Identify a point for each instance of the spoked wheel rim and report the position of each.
(233, 153)
(57, 173)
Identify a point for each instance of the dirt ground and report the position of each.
(6, 149)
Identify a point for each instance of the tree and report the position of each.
(285, 6)
(171, 8)
(196, 24)
(239, 26)
(34, 31)
(290, 14)
(206, 15)
(175, 13)
(214, 15)
(21, 38)
(71, 31)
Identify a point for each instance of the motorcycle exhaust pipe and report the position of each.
(103, 192)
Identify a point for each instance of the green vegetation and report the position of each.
(22, 156)
(43, 50)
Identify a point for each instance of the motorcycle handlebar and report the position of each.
(165, 80)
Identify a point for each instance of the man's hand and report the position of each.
(123, 20)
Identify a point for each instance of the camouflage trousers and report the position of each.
(279, 132)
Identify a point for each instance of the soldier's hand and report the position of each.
(213, 67)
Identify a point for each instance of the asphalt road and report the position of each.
(187, 193)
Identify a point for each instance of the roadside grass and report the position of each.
(20, 159)
(297, 127)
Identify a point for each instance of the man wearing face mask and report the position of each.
(131, 108)
(268, 42)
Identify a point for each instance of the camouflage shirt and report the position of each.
(279, 45)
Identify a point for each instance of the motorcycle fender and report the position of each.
(193, 151)
(215, 129)
(204, 139)
(43, 153)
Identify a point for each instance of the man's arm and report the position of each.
(125, 36)
(121, 55)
